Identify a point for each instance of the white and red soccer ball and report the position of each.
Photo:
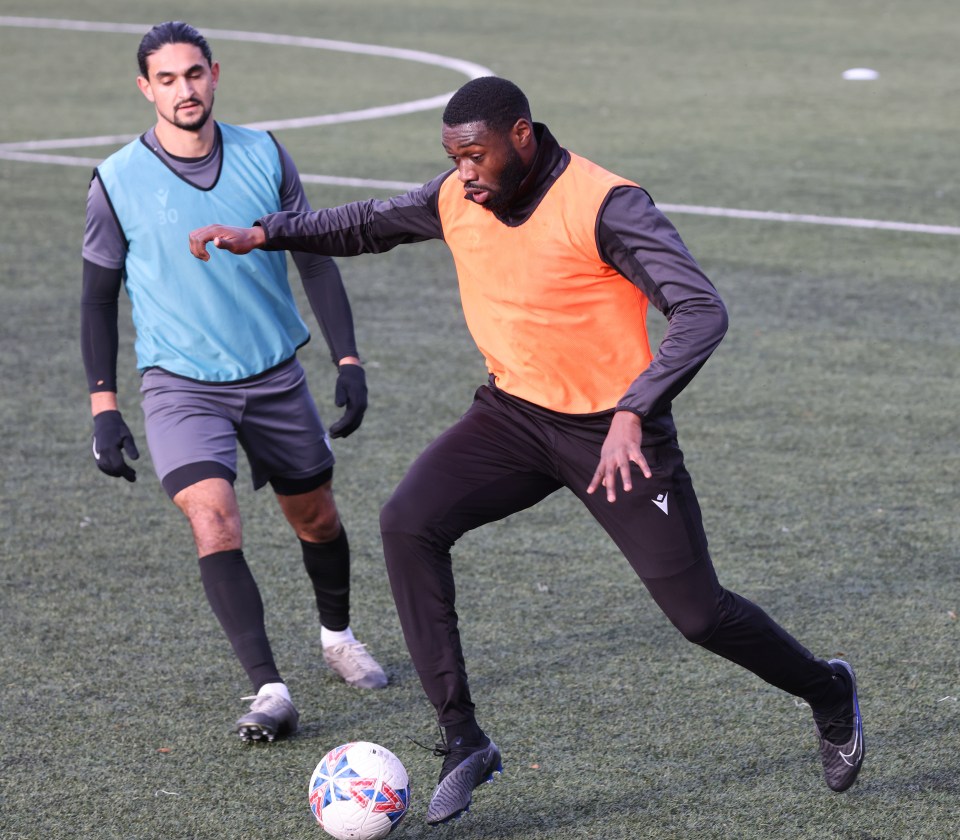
(359, 791)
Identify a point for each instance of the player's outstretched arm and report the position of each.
(236, 240)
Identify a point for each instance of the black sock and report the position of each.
(328, 565)
(235, 600)
(469, 730)
(835, 721)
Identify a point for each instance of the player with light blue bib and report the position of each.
(217, 356)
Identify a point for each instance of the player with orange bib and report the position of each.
(557, 261)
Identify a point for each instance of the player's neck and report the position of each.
(186, 144)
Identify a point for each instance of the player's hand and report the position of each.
(236, 240)
(620, 449)
(111, 438)
(351, 392)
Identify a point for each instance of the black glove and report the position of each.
(352, 392)
(110, 436)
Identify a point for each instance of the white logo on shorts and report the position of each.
(661, 502)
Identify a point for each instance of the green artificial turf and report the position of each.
(822, 437)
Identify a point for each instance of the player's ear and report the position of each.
(215, 73)
(523, 139)
(521, 133)
(145, 88)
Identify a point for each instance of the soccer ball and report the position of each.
(359, 791)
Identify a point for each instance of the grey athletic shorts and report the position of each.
(193, 429)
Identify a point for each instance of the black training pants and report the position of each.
(504, 456)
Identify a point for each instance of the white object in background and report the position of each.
(860, 74)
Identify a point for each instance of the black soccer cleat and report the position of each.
(464, 768)
(842, 762)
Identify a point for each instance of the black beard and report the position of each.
(198, 123)
(510, 179)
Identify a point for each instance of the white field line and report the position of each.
(805, 218)
(466, 68)
(31, 151)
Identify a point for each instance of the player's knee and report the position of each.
(321, 527)
(215, 530)
(397, 516)
(699, 626)
(402, 520)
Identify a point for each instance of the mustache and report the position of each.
(188, 102)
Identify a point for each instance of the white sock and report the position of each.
(332, 638)
(275, 688)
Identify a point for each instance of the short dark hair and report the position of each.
(491, 100)
(171, 32)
